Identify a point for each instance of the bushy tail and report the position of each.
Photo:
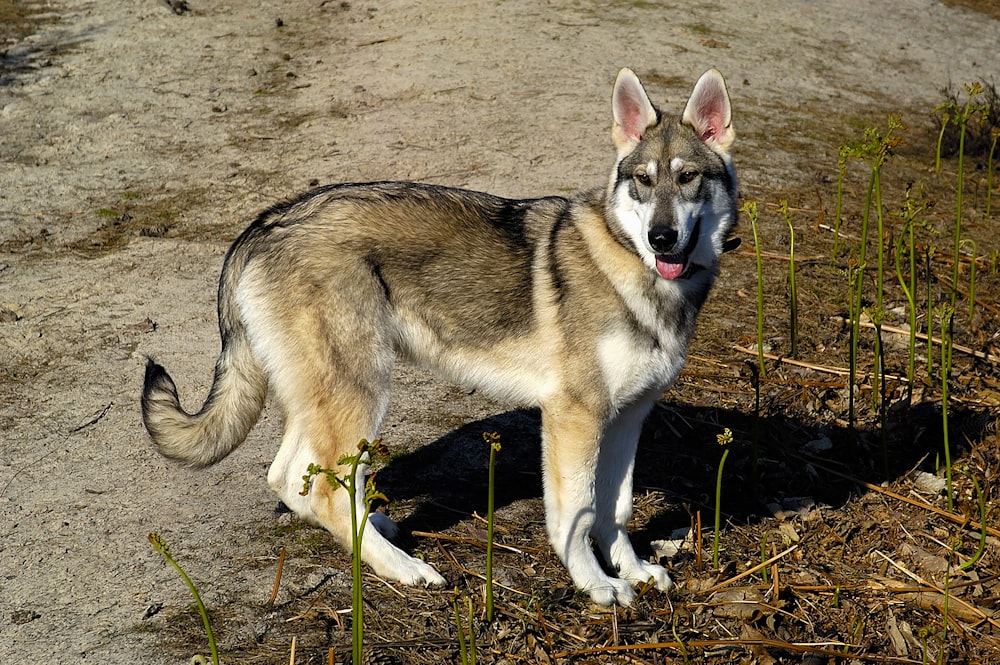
(234, 402)
(231, 410)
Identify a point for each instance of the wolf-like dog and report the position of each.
(582, 307)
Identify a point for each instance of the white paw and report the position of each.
(611, 591)
(392, 563)
(420, 573)
(395, 564)
(642, 572)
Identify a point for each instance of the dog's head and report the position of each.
(673, 192)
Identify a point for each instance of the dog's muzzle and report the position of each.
(672, 261)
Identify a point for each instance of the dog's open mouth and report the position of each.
(675, 265)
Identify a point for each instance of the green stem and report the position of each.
(982, 531)
(865, 218)
(880, 222)
(989, 172)
(883, 398)
(930, 313)
(912, 367)
(854, 287)
(878, 371)
(472, 633)
(349, 482)
(972, 280)
(946, 347)
(756, 431)
(960, 184)
(857, 295)
(459, 625)
(908, 293)
(841, 172)
(750, 207)
(357, 597)
(489, 535)
(161, 546)
(793, 296)
(718, 510)
(937, 157)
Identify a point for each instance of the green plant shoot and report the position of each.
(930, 308)
(723, 439)
(946, 314)
(854, 274)
(945, 117)
(908, 283)
(982, 527)
(163, 548)
(972, 280)
(873, 149)
(793, 320)
(750, 210)
(995, 134)
(466, 650)
(961, 116)
(837, 213)
(493, 440)
(367, 451)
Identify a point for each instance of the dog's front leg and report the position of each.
(570, 441)
(615, 464)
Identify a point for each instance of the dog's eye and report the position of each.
(643, 179)
(687, 175)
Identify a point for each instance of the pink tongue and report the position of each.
(668, 267)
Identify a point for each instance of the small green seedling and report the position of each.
(946, 314)
(467, 650)
(982, 527)
(994, 134)
(972, 279)
(837, 213)
(961, 116)
(723, 439)
(750, 210)
(163, 549)
(493, 440)
(367, 452)
(793, 320)
(908, 282)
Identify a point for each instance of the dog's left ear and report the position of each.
(633, 112)
(709, 113)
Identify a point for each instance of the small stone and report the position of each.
(929, 483)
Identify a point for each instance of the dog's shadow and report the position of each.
(445, 482)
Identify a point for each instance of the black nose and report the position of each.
(663, 239)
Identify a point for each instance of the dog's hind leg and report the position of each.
(331, 373)
(615, 464)
(323, 435)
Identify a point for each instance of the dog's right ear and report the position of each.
(633, 112)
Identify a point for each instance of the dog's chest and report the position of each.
(632, 367)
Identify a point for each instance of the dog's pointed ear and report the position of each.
(709, 112)
(633, 112)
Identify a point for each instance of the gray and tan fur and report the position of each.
(580, 306)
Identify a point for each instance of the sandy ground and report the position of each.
(136, 142)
